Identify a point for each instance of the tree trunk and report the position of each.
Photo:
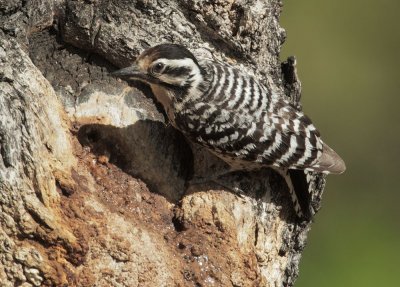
(93, 182)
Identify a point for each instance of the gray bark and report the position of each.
(93, 182)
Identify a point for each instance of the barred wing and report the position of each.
(272, 139)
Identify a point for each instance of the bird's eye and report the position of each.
(157, 68)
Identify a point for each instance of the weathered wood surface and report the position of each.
(92, 180)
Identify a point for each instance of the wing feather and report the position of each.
(284, 138)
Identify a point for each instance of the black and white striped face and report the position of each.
(168, 65)
(175, 72)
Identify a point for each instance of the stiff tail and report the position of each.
(302, 188)
(301, 193)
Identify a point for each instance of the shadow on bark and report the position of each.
(164, 160)
(159, 156)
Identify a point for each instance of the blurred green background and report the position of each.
(349, 65)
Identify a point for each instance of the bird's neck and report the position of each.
(192, 91)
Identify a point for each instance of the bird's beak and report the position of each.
(131, 72)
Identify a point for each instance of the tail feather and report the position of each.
(305, 189)
(301, 193)
(299, 189)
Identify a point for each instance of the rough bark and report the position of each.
(93, 183)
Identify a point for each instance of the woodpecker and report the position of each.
(236, 117)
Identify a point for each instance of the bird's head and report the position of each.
(167, 65)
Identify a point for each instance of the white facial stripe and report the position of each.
(175, 63)
(180, 63)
